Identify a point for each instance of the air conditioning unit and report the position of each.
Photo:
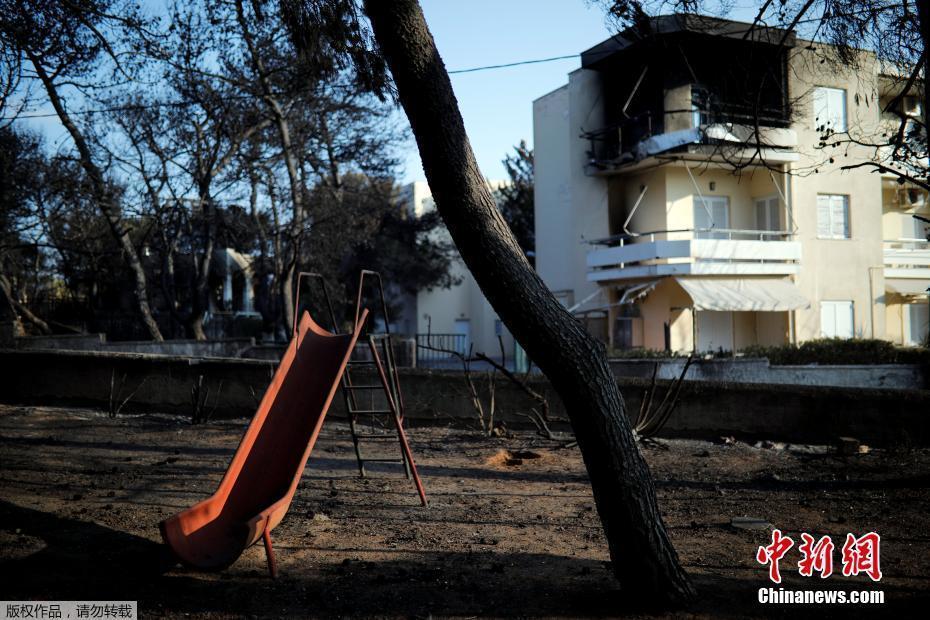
(912, 198)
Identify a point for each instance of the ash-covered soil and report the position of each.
(511, 529)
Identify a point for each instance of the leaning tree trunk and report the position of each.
(923, 15)
(642, 556)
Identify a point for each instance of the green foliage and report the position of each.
(839, 351)
(516, 200)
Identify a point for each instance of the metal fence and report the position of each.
(433, 348)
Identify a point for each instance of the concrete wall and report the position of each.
(157, 383)
(227, 347)
(752, 370)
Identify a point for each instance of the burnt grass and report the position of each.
(511, 530)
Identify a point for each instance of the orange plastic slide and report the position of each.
(259, 485)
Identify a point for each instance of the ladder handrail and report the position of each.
(329, 304)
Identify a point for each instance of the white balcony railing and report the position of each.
(728, 252)
(907, 258)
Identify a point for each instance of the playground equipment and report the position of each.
(385, 364)
(261, 480)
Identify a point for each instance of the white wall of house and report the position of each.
(462, 308)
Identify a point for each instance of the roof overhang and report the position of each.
(907, 286)
(666, 25)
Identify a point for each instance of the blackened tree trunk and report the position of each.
(104, 199)
(576, 364)
(923, 14)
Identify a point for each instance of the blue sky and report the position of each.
(497, 105)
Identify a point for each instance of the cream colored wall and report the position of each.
(838, 269)
(897, 219)
(771, 328)
(742, 189)
(667, 303)
(650, 214)
(589, 200)
(552, 145)
(682, 329)
(437, 309)
(894, 318)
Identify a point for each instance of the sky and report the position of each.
(497, 104)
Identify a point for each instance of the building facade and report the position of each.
(458, 317)
(686, 198)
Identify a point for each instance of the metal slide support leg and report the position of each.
(391, 373)
(405, 446)
(269, 553)
(353, 430)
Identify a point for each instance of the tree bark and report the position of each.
(104, 200)
(923, 15)
(642, 556)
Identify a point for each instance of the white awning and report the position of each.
(743, 295)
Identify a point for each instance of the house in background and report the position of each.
(458, 318)
(644, 230)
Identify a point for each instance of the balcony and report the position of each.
(908, 259)
(720, 252)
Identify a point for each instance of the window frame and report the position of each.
(709, 203)
(847, 213)
(817, 122)
(835, 304)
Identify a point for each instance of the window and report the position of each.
(836, 319)
(767, 214)
(833, 216)
(829, 108)
(711, 212)
(918, 318)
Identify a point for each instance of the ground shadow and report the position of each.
(69, 559)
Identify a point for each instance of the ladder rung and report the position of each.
(371, 411)
(364, 387)
(360, 363)
(398, 461)
(376, 436)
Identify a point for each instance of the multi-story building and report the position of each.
(685, 199)
(459, 317)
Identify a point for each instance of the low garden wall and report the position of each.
(226, 347)
(759, 370)
(233, 388)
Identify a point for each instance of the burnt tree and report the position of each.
(642, 556)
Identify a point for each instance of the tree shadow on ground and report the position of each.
(68, 559)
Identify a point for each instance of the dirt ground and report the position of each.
(511, 530)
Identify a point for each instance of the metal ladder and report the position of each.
(388, 383)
